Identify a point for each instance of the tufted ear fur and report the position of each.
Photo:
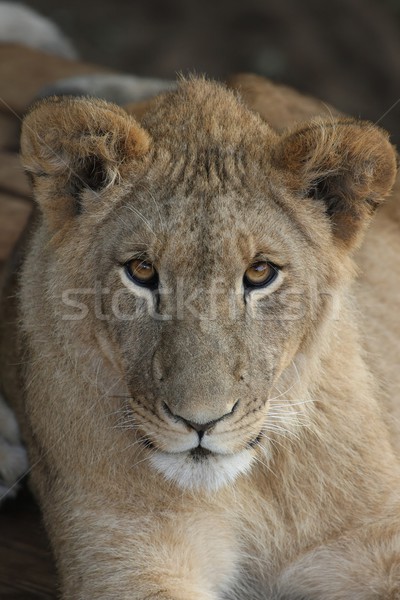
(70, 146)
(348, 165)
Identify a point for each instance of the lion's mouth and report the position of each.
(200, 468)
(200, 453)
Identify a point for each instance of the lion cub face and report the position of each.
(217, 249)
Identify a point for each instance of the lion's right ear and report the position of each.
(71, 146)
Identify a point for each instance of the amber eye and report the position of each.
(142, 272)
(260, 274)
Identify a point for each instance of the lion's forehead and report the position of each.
(204, 140)
(207, 168)
(206, 226)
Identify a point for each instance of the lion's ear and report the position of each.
(75, 146)
(348, 165)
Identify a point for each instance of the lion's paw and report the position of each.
(13, 457)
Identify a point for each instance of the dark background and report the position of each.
(346, 52)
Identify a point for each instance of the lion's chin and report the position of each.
(206, 473)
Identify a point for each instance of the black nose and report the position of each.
(201, 428)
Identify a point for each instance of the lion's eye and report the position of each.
(142, 273)
(260, 274)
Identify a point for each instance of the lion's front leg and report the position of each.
(364, 565)
(105, 552)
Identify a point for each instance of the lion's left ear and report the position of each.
(73, 147)
(348, 165)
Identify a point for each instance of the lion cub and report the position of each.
(198, 410)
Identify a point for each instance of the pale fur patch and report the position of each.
(210, 473)
(140, 291)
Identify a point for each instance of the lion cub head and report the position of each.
(215, 246)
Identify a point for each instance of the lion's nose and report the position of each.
(201, 428)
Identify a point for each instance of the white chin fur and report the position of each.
(209, 473)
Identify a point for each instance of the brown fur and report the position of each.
(200, 187)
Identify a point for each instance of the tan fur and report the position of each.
(200, 187)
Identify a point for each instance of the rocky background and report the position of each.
(346, 52)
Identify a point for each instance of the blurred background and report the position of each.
(346, 52)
